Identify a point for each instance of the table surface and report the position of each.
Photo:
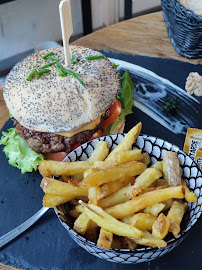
(144, 35)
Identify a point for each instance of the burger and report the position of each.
(57, 108)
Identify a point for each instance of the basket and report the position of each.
(184, 28)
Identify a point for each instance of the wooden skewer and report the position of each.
(66, 27)
(89, 208)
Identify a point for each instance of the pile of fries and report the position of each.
(116, 199)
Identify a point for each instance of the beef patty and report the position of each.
(44, 142)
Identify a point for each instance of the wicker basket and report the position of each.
(184, 28)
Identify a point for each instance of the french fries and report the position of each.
(81, 223)
(175, 216)
(108, 188)
(171, 167)
(105, 239)
(141, 221)
(64, 190)
(127, 156)
(147, 199)
(106, 221)
(100, 153)
(113, 173)
(161, 226)
(120, 196)
(50, 167)
(158, 165)
(149, 176)
(155, 209)
(189, 196)
(146, 159)
(51, 200)
(151, 241)
(127, 142)
(127, 201)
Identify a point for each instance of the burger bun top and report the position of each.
(57, 104)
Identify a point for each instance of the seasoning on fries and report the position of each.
(127, 202)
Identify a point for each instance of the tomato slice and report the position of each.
(58, 156)
(96, 135)
(114, 111)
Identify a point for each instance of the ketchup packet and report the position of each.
(193, 145)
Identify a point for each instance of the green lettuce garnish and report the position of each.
(18, 152)
(125, 97)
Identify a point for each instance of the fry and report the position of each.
(154, 209)
(146, 159)
(81, 223)
(190, 197)
(52, 200)
(171, 167)
(89, 171)
(74, 213)
(105, 239)
(101, 165)
(100, 153)
(141, 221)
(161, 182)
(56, 187)
(149, 176)
(127, 156)
(126, 142)
(113, 173)
(92, 195)
(120, 196)
(167, 204)
(108, 188)
(50, 167)
(111, 224)
(145, 200)
(79, 208)
(175, 216)
(158, 165)
(151, 241)
(124, 194)
(160, 227)
(139, 191)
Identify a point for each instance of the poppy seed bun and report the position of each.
(57, 104)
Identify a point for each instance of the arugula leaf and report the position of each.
(125, 97)
(115, 65)
(18, 152)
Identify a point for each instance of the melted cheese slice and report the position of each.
(89, 126)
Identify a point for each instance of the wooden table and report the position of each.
(144, 35)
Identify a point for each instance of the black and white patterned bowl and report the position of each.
(156, 148)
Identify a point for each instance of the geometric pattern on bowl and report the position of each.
(156, 148)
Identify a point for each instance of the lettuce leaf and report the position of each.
(18, 152)
(125, 97)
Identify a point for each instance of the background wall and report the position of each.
(25, 24)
